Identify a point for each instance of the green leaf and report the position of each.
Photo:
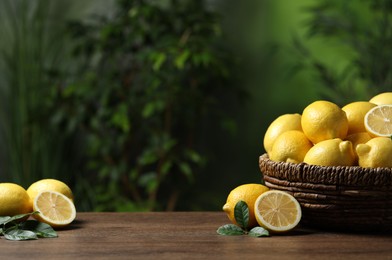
(19, 234)
(133, 12)
(149, 180)
(166, 166)
(230, 230)
(241, 214)
(160, 58)
(148, 110)
(4, 219)
(194, 156)
(181, 59)
(120, 118)
(148, 157)
(39, 228)
(186, 169)
(206, 58)
(258, 232)
(168, 143)
(18, 217)
(152, 108)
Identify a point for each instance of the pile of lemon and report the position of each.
(325, 134)
(52, 199)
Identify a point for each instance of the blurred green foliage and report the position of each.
(150, 78)
(162, 105)
(364, 30)
(32, 52)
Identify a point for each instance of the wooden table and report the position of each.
(188, 235)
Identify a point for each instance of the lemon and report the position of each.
(291, 146)
(355, 113)
(54, 208)
(382, 99)
(378, 121)
(281, 124)
(322, 120)
(356, 139)
(247, 193)
(333, 152)
(277, 211)
(49, 185)
(14, 200)
(375, 153)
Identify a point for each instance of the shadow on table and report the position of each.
(380, 232)
(76, 224)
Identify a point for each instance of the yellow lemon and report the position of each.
(382, 99)
(247, 193)
(356, 139)
(48, 185)
(375, 153)
(322, 120)
(277, 211)
(291, 146)
(332, 152)
(355, 113)
(280, 125)
(54, 208)
(14, 200)
(378, 121)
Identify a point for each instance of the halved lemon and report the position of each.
(54, 208)
(378, 121)
(277, 211)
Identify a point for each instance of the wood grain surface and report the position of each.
(189, 235)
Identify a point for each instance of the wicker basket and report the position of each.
(338, 197)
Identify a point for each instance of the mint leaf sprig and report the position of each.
(14, 228)
(241, 215)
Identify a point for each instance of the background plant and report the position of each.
(152, 77)
(145, 114)
(31, 49)
(363, 32)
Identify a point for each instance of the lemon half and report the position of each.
(54, 209)
(277, 211)
(378, 121)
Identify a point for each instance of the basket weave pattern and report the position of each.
(337, 197)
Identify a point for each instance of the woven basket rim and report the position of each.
(329, 175)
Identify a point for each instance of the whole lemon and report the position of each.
(356, 139)
(332, 152)
(247, 193)
(377, 152)
(355, 113)
(14, 200)
(291, 146)
(382, 99)
(322, 120)
(48, 185)
(280, 125)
